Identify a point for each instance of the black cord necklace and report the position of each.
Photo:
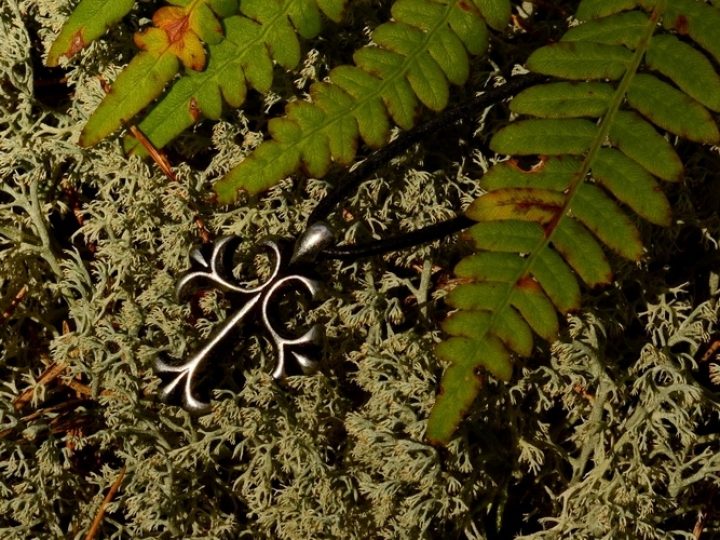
(214, 268)
(351, 181)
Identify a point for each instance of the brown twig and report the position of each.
(22, 293)
(699, 525)
(157, 156)
(711, 349)
(95, 527)
(81, 389)
(162, 161)
(60, 407)
(52, 372)
(581, 390)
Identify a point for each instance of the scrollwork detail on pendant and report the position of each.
(216, 271)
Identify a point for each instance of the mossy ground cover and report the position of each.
(611, 432)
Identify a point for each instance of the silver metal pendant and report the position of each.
(216, 271)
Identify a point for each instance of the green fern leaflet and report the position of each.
(631, 69)
(412, 61)
(242, 46)
(88, 21)
(265, 32)
(176, 38)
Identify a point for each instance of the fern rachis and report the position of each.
(176, 38)
(413, 60)
(538, 229)
(255, 37)
(263, 31)
(620, 79)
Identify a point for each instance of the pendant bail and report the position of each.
(315, 239)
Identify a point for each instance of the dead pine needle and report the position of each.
(48, 376)
(95, 527)
(162, 161)
(699, 525)
(157, 156)
(14, 304)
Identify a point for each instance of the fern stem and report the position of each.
(381, 87)
(598, 141)
(609, 117)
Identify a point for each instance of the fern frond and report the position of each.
(244, 58)
(542, 231)
(176, 38)
(412, 61)
(88, 21)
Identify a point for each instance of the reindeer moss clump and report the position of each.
(611, 432)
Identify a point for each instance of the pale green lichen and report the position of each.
(609, 434)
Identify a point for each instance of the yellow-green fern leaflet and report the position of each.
(599, 130)
(411, 63)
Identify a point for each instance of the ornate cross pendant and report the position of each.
(217, 272)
